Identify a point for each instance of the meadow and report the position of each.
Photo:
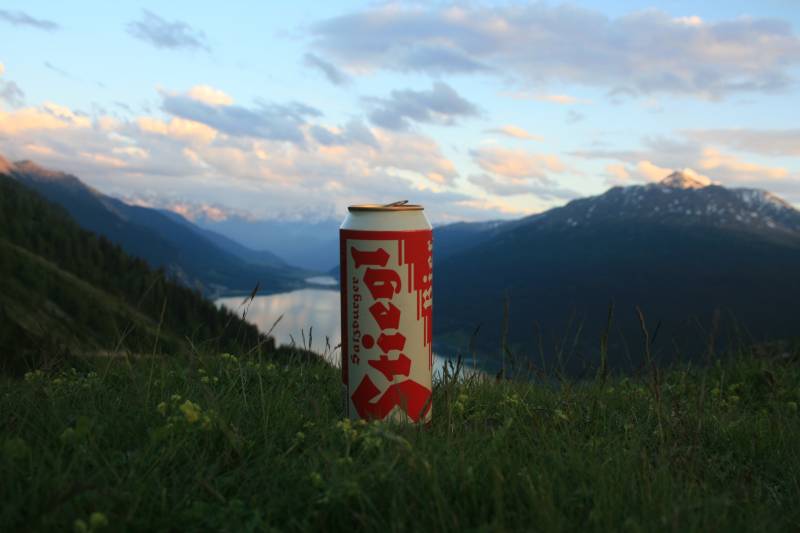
(235, 443)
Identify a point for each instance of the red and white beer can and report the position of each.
(386, 266)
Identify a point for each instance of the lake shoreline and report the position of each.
(309, 318)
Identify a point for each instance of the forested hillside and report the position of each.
(65, 289)
(186, 252)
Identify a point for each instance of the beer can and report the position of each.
(386, 267)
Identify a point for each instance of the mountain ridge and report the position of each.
(674, 199)
(679, 252)
(184, 251)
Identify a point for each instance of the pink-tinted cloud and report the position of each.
(561, 99)
(739, 169)
(209, 95)
(516, 163)
(183, 159)
(510, 130)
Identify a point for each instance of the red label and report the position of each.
(387, 308)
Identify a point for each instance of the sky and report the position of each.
(477, 110)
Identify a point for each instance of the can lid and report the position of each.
(401, 205)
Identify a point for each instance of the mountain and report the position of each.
(313, 245)
(64, 289)
(458, 237)
(255, 257)
(679, 249)
(186, 252)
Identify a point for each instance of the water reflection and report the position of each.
(308, 314)
(305, 313)
(322, 280)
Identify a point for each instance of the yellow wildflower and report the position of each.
(67, 436)
(316, 479)
(191, 411)
(97, 520)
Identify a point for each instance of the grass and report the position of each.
(234, 444)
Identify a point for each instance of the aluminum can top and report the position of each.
(402, 205)
(397, 216)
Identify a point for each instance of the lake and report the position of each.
(307, 314)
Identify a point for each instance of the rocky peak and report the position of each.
(685, 179)
(5, 166)
(36, 171)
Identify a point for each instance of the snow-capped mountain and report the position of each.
(680, 249)
(681, 199)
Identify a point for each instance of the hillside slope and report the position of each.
(312, 245)
(62, 287)
(256, 257)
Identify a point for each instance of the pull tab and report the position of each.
(396, 204)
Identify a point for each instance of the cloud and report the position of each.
(178, 128)
(691, 173)
(329, 70)
(281, 122)
(501, 186)
(781, 143)
(514, 172)
(652, 172)
(439, 60)
(740, 170)
(175, 157)
(561, 99)
(417, 153)
(516, 163)
(516, 132)
(484, 206)
(353, 132)
(188, 210)
(164, 34)
(123, 106)
(665, 152)
(48, 117)
(617, 174)
(573, 116)
(659, 156)
(642, 52)
(645, 171)
(59, 71)
(209, 95)
(11, 94)
(20, 18)
(441, 105)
